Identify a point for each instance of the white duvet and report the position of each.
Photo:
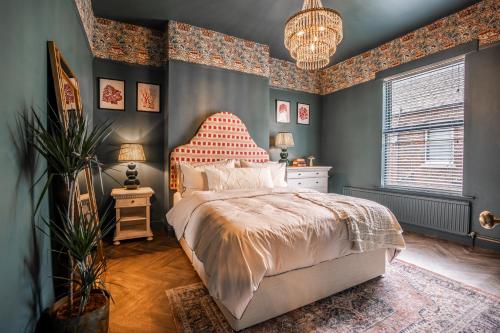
(243, 236)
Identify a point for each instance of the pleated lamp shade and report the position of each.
(131, 152)
(284, 140)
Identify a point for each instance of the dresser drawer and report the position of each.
(135, 202)
(291, 174)
(308, 182)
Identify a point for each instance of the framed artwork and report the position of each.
(282, 111)
(111, 94)
(303, 114)
(148, 97)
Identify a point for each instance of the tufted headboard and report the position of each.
(221, 136)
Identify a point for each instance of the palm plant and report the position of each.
(70, 147)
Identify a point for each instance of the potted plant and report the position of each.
(70, 147)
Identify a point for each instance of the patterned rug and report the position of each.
(407, 299)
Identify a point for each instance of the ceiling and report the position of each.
(367, 23)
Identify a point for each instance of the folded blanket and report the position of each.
(369, 224)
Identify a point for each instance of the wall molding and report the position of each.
(180, 41)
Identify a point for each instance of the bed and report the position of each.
(266, 251)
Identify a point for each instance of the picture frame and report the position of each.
(111, 94)
(148, 97)
(303, 114)
(283, 111)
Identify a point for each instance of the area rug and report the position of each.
(407, 299)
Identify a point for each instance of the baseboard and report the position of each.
(460, 239)
(485, 244)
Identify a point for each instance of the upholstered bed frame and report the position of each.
(224, 136)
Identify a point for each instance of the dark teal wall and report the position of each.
(351, 138)
(306, 137)
(26, 27)
(482, 134)
(197, 91)
(130, 126)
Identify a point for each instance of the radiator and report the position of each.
(435, 213)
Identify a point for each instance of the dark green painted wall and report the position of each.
(130, 126)
(306, 137)
(352, 135)
(482, 134)
(26, 27)
(351, 138)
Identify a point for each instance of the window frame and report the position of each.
(387, 89)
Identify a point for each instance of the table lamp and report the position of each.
(284, 140)
(131, 152)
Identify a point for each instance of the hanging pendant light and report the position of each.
(312, 35)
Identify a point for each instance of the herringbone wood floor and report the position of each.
(141, 271)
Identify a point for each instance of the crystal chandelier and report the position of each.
(312, 35)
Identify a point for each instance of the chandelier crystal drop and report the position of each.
(312, 35)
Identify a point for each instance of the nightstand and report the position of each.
(315, 177)
(132, 213)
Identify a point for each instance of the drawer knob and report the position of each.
(300, 183)
(317, 173)
(299, 174)
(133, 201)
(317, 182)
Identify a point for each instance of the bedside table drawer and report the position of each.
(306, 174)
(308, 182)
(135, 202)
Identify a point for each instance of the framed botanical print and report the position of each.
(303, 114)
(282, 111)
(148, 97)
(111, 94)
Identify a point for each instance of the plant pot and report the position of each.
(95, 321)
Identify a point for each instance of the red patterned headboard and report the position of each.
(221, 136)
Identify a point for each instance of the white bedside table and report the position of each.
(315, 177)
(132, 213)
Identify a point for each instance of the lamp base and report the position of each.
(284, 156)
(132, 182)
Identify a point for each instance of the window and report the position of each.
(439, 147)
(423, 132)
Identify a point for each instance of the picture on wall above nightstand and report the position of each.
(303, 114)
(282, 111)
(111, 94)
(148, 97)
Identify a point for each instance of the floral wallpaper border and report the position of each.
(128, 43)
(480, 21)
(135, 44)
(87, 16)
(203, 46)
(285, 74)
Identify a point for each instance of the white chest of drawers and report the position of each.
(315, 177)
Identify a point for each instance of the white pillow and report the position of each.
(220, 179)
(278, 171)
(193, 178)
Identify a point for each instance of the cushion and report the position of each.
(193, 178)
(278, 171)
(220, 179)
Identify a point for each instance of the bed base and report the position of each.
(285, 292)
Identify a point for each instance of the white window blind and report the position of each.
(423, 132)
